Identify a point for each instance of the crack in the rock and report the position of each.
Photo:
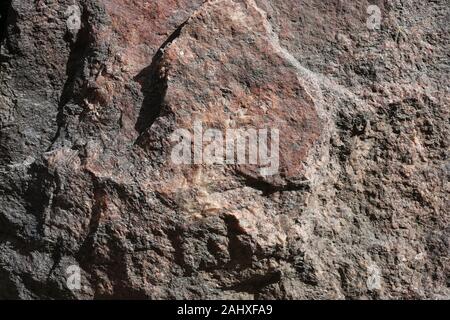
(240, 252)
(74, 69)
(154, 86)
(5, 7)
(83, 53)
(94, 222)
(256, 283)
(269, 189)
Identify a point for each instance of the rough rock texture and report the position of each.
(358, 209)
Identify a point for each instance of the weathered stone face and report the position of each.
(357, 205)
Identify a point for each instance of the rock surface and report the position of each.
(357, 210)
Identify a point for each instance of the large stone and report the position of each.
(356, 209)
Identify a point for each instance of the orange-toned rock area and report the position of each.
(93, 92)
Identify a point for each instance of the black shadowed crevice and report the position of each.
(5, 7)
(154, 86)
